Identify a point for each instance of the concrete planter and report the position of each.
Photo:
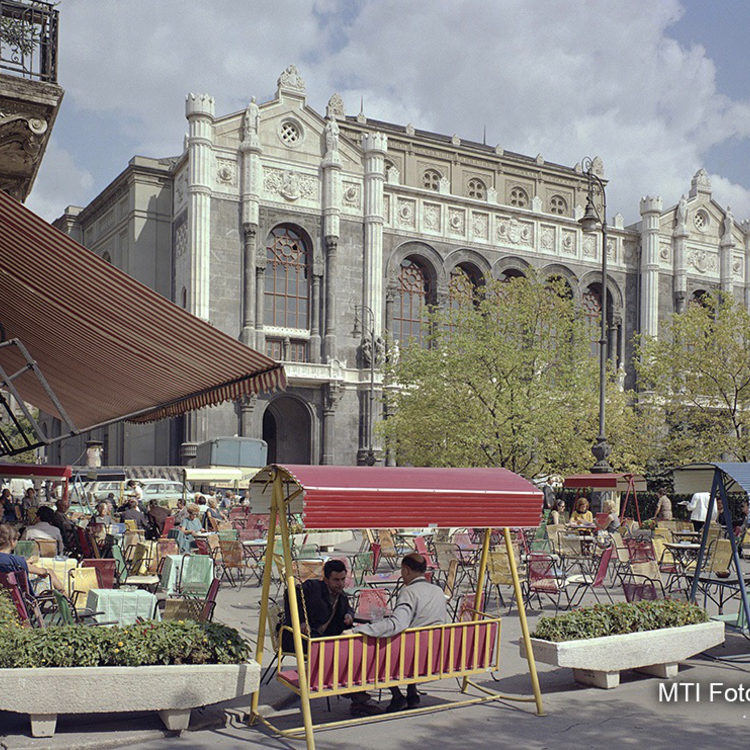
(598, 661)
(326, 540)
(171, 690)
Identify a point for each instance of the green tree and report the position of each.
(696, 376)
(507, 379)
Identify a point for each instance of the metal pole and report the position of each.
(480, 586)
(371, 421)
(524, 624)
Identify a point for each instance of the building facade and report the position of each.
(314, 238)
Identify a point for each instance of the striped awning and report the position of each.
(361, 497)
(110, 347)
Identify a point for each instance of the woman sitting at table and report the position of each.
(213, 514)
(188, 529)
(581, 515)
(611, 523)
(557, 514)
(10, 563)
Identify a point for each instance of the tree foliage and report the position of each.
(507, 379)
(697, 379)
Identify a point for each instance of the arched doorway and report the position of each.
(287, 428)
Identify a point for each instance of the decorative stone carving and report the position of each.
(181, 240)
(547, 238)
(536, 204)
(728, 226)
(682, 214)
(289, 184)
(335, 107)
(630, 252)
(515, 232)
(702, 262)
(332, 394)
(568, 241)
(406, 212)
(701, 180)
(431, 217)
(251, 122)
(444, 186)
(455, 140)
(480, 226)
(491, 195)
(332, 137)
(499, 150)
(456, 221)
(611, 250)
(366, 351)
(410, 129)
(664, 252)
(539, 159)
(226, 172)
(737, 267)
(352, 194)
(291, 80)
(393, 176)
(589, 247)
(597, 166)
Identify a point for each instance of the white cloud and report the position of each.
(563, 79)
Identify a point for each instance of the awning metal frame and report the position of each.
(7, 448)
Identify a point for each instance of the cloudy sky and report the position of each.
(657, 89)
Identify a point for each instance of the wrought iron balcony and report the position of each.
(28, 39)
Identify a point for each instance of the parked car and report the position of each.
(164, 491)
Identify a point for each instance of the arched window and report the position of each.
(477, 189)
(511, 273)
(698, 297)
(560, 285)
(431, 179)
(558, 205)
(518, 197)
(462, 289)
(287, 288)
(414, 294)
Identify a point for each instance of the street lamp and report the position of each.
(589, 221)
(364, 327)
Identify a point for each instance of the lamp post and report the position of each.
(364, 327)
(589, 221)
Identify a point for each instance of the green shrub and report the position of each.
(618, 619)
(149, 643)
(8, 613)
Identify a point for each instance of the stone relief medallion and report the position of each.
(456, 221)
(737, 267)
(514, 232)
(569, 242)
(352, 194)
(406, 213)
(480, 226)
(290, 185)
(611, 250)
(702, 262)
(226, 172)
(431, 217)
(589, 247)
(547, 238)
(664, 253)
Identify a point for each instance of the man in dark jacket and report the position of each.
(66, 526)
(326, 611)
(133, 514)
(156, 516)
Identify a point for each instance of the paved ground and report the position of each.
(577, 717)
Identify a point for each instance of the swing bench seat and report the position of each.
(350, 663)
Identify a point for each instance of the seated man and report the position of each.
(44, 529)
(133, 513)
(157, 514)
(328, 612)
(66, 526)
(419, 604)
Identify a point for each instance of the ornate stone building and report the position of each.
(288, 229)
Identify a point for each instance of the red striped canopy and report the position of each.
(353, 497)
(110, 347)
(35, 471)
(619, 482)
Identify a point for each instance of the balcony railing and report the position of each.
(28, 39)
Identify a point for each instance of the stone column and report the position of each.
(260, 282)
(199, 111)
(329, 342)
(375, 146)
(746, 231)
(650, 212)
(331, 228)
(249, 284)
(314, 345)
(247, 409)
(726, 253)
(250, 152)
(332, 393)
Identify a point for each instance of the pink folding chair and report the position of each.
(372, 604)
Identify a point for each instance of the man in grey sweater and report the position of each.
(419, 604)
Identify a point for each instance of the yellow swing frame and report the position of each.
(278, 514)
